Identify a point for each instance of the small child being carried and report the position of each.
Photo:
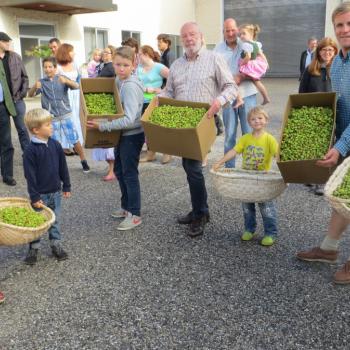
(257, 148)
(253, 64)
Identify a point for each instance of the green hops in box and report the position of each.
(100, 103)
(307, 134)
(177, 117)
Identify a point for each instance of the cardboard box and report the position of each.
(192, 143)
(306, 171)
(95, 138)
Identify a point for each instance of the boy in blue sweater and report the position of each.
(45, 168)
(54, 98)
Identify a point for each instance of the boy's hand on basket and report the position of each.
(38, 204)
(66, 194)
(91, 124)
(330, 159)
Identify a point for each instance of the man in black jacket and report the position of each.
(307, 55)
(17, 81)
(164, 44)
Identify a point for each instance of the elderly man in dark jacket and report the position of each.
(17, 80)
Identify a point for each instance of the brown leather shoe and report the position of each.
(342, 276)
(318, 254)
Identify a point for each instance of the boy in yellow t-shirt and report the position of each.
(257, 149)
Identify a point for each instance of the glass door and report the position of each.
(32, 34)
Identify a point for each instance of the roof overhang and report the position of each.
(67, 7)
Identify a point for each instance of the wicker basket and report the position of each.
(248, 185)
(13, 235)
(338, 204)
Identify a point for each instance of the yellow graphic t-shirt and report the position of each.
(258, 152)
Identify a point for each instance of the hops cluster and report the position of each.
(177, 117)
(100, 103)
(307, 133)
(23, 217)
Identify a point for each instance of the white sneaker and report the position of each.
(119, 214)
(130, 222)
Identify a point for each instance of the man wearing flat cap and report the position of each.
(14, 86)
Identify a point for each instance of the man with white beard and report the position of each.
(199, 75)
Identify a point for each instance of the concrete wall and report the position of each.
(149, 18)
(331, 5)
(209, 15)
(135, 15)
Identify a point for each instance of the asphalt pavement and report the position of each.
(156, 288)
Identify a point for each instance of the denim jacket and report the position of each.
(54, 96)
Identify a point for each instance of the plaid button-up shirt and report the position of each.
(340, 78)
(204, 79)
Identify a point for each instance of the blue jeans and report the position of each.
(53, 201)
(6, 148)
(22, 131)
(198, 191)
(268, 214)
(127, 156)
(231, 117)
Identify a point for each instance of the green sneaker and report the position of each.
(268, 241)
(247, 236)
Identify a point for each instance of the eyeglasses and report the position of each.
(327, 50)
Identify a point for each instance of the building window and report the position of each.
(126, 34)
(94, 38)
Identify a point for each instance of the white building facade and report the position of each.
(31, 22)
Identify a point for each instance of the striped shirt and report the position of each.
(201, 80)
(340, 78)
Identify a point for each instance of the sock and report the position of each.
(329, 244)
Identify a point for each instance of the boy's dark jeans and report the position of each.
(127, 156)
(198, 191)
(53, 201)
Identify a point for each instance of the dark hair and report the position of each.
(125, 52)
(50, 59)
(54, 40)
(131, 42)
(165, 38)
(62, 55)
(148, 50)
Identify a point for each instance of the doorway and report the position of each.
(33, 34)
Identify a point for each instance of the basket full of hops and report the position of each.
(20, 223)
(337, 189)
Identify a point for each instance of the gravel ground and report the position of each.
(155, 288)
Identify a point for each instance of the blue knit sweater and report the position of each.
(45, 168)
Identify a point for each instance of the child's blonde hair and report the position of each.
(254, 29)
(258, 110)
(96, 52)
(35, 118)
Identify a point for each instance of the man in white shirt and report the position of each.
(231, 50)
